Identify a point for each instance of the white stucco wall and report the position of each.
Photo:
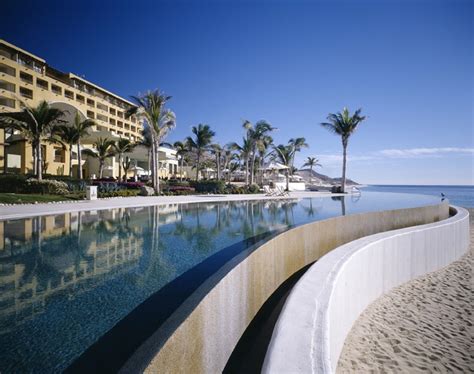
(322, 307)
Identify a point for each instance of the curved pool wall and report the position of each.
(202, 333)
(322, 307)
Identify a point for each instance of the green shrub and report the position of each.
(119, 193)
(209, 186)
(46, 186)
(254, 188)
(12, 183)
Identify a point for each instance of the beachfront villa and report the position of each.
(26, 77)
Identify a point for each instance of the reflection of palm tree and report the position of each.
(310, 210)
(343, 203)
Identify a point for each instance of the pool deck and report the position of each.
(29, 210)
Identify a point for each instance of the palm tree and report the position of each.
(160, 121)
(203, 138)
(312, 162)
(284, 154)
(104, 148)
(36, 124)
(344, 124)
(181, 151)
(122, 146)
(71, 134)
(297, 144)
(256, 135)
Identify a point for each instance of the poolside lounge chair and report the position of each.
(269, 191)
(281, 191)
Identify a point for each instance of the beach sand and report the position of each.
(423, 325)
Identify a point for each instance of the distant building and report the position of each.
(26, 77)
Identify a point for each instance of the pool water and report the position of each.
(66, 280)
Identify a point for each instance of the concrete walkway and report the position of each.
(29, 210)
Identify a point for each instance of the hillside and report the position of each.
(318, 178)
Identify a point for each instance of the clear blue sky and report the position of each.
(408, 64)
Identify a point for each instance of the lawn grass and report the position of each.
(16, 198)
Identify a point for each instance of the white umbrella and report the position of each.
(275, 166)
(137, 168)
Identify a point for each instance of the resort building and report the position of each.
(27, 78)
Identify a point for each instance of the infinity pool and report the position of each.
(66, 280)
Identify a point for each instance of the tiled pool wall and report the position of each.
(202, 340)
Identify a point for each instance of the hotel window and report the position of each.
(6, 53)
(4, 85)
(90, 114)
(120, 124)
(102, 118)
(113, 111)
(102, 107)
(120, 114)
(170, 167)
(42, 84)
(134, 120)
(112, 121)
(4, 101)
(80, 99)
(25, 92)
(59, 154)
(69, 94)
(91, 103)
(5, 69)
(26, 77)
(127, 126)
(134, 129)
(56, 89)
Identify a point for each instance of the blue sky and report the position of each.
(408, 64)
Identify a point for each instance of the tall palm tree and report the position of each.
(36, 124)
(104, 149)
(71, 134)
(297, 144)
(283, 154)
(150, 108)
(181, 151)
(122, 146)
(344, 124)
(312, 162)
(202, 139)
(256, 135)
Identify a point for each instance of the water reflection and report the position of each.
(75, 252)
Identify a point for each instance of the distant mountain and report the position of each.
(318, 178)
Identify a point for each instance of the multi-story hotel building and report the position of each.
(28, 78)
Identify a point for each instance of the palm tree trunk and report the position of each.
(120, 167)
(288, 179)
(39, 159)
(70, 161)
(198, 161)
(247, 171)
(310, 174)
(33, 151)
(252, 169)
(101, 168)
(156, 166)
(79, 160)
(344, 155)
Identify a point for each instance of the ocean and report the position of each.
(457, 195)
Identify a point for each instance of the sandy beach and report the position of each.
(423, 325)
